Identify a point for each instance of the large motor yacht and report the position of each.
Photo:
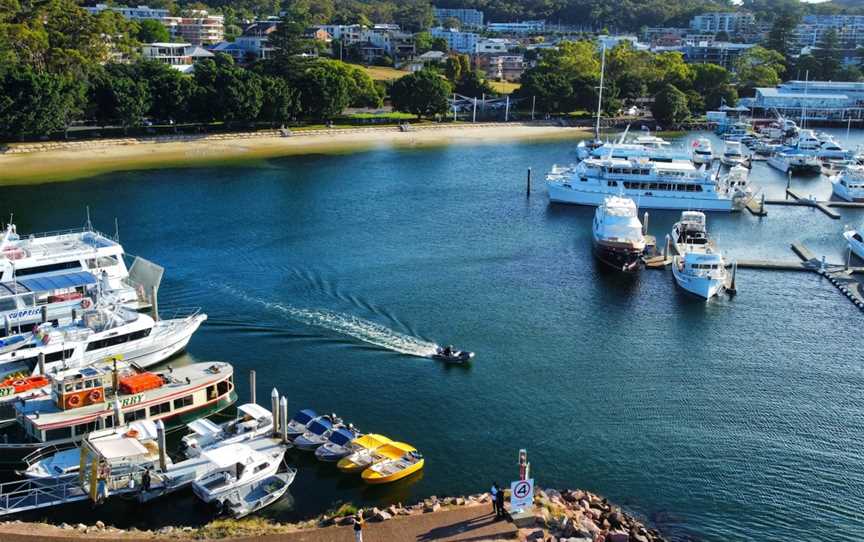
(792, 160)
(617, 234)
(698, 267)
(849, 184)
(702, 153)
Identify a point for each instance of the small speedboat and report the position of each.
(297, 424)
(8, 344)
(317, 433)
(451, 355)
(363, 452)
(393, 468)
(338, 445)
(255, 496)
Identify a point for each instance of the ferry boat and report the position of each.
(25, 302)
(47, 254)
(855, 242)
(734, 155)
(797, 162)
(849, 184)
(698, 267)
(95, 398)
(653, 185)
(617, 234)
(703, 153)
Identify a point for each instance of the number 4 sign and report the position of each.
(521, 495)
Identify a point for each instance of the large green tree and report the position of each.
(325, 91)
(759, 67)
(828, 56)
(781, 38)
(119, 97)
(225, 91)
(34, 104)
(670, 106)
(152, 31)
(170, 91)
(280, 103)
(423, 93)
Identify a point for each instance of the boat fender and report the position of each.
(95, 396)
(132, 433)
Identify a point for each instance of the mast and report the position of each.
(804, 102)
(600, 93)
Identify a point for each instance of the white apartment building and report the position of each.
(180, 56)
(470, 18)
(198, 28)
(849, 28)
(712, 23)
(492, 46)
(521, 27)
(136, 13)
(461, 42)
(346, 33)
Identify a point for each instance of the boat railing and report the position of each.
(32, 494)
(180, 313)
(45, 452)
(58, 233)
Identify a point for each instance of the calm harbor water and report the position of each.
(739, 419)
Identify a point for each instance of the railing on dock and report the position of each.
(32, 494)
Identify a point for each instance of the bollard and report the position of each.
(283, 415)
(253, 398)
(163, 453)
(41, 363)
(762, 205)
(528, 185)
(274, 411)
(118, 412)
(732, 287)
(645, 223)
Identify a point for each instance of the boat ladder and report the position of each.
(32, 494)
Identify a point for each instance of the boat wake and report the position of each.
(346, 324)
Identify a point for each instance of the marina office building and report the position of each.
(819, 100)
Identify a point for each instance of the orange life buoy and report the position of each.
(19, 383)
(86, 303)
(73, 401)
(96, 396)
(132, 433)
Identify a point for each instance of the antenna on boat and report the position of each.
(88, 225)
(600, 93)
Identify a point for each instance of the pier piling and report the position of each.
(528, 185)
(283, 415)
(154, 303)
(163, 451)
(44, 313)
(252, 397)
(274, 411)
(42, 363)
(645, 223)
(6, 326)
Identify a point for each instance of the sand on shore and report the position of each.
(69, 164)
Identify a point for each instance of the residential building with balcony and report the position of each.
(180, 56)
(470, 18)
(521, 27)
(461, 42)
(849, 29)
(729, 22)
(131, 13)
(199, 28)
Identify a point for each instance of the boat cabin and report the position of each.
(82, 388)
(22, 300)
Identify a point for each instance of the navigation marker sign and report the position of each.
(521, 495)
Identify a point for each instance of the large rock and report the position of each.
(380, 515)
(618, 536)
(434, 507)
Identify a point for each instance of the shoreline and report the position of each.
(557, 515)
(38, 163)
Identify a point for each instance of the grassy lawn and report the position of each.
(382, 73)
(503, 87)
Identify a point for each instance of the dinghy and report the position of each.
(256, 496)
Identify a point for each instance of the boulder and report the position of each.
(393, 509)
(460, 501)
(590, 527)
(100, 525)
(618, 536)
(616, 518)
(535, 535)
(345, 520)
(434, 507)
(80, 527)
(380, 515)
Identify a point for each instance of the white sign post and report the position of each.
(521, 495)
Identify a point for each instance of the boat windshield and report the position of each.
(341, 437)
(319, 427)
(304, 416)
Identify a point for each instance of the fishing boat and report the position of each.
(734, 155)
(702, 153)
(317, 432)
(236, 465)
(654, 185)
(296, 426)
(790, 160)
(849, 184)
(338, 445)
(855, 242)
(100, 397)
(256, 496)
(618, 239)
(46, 254)
(252, 421)
(698, 267)
(400, 460)
(362, 452)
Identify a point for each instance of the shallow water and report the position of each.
(737, 419)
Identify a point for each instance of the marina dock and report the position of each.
(802, 201)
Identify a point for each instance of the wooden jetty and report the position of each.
(824, 206)
(756, 206)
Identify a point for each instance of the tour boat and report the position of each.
(787, 160)
(46, 254)
(855, 242)
(398, 461)
(27, 301)
(734, 155)
(317, 433)
(702, 153)
(617, 234)
(91, 398)
(258, 495)
(652, 147)
(652, 184)
(338, 445)
(698, 267)
(236, 465)
(296, 426)
(849, 184)
(252, 421)
(362, 452)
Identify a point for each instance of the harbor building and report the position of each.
(818, 100)
(729, 22)
(470, 18)
(461, 42)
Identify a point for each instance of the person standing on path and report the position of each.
(499, 504)
(358, 527)
(494, 493)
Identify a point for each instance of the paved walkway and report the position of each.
(464, 524)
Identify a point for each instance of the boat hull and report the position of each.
(558, 193)
(619, 258)
(371, 477)
(702, 287)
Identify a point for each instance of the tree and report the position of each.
(472, 84)
(456, 67)
(289, 39)
(422, 42)
(781, 37)
(170, 90)
(452, 22)
(759, 67)
(120, 97)
(152, 31)
(423, 93)
(670, 106)
(324, 91)
(828, 56)
(552, 91)
(280, 102)
(362, 91)
(413, 15)
(33, 104)
(440, 44)
(225, 91)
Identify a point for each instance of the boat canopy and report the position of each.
(319, 427)
(371, 441)
(341, 437)
(305, 416)
(119, 448)
(226, 456)
(204, 427)
(395, 450)
(48, 284)
(256, 412)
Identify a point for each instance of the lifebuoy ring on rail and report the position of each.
(86, 303)
(95, 396)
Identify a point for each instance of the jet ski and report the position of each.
(449, 354)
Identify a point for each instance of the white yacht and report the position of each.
(617, 234)
(698, 267)
(829, 149)
(48, 254)
(651, 184)
(236, 465)
(703, 153)
(26, 302)
(849, 184)
(855, 242)
(734, 154)
(787, 160)
(252, 421)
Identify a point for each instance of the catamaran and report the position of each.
(26, 302)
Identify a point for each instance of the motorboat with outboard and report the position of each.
(236, 465)
(734, 155)
(849, 184)
(317, 432)
(451, 354)
(252, 497)
(790, 160)
(702, 153)
(697, 266)
(617, 235)
(297, 425)
(338, 444)
(855, 242)
(252, 421)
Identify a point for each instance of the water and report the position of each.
(735, 419)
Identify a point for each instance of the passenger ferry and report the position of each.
(698, 267)
(95, 398)
(652, 185)
(617, 234)
(787, 160)
(849, 184)
(48, 254)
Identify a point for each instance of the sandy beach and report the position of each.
(51, 162)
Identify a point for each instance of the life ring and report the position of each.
(95, 396)
(132, 433)
(19, 383)
(73, 401)
(86, 303)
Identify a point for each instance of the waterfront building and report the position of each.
(180, 56)
(715, 52)
(348, 34)
(131, 13)
(849, 29)
(521, 27)
(819, 100)
(729, 22)
(470, 18)
(461, 42)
